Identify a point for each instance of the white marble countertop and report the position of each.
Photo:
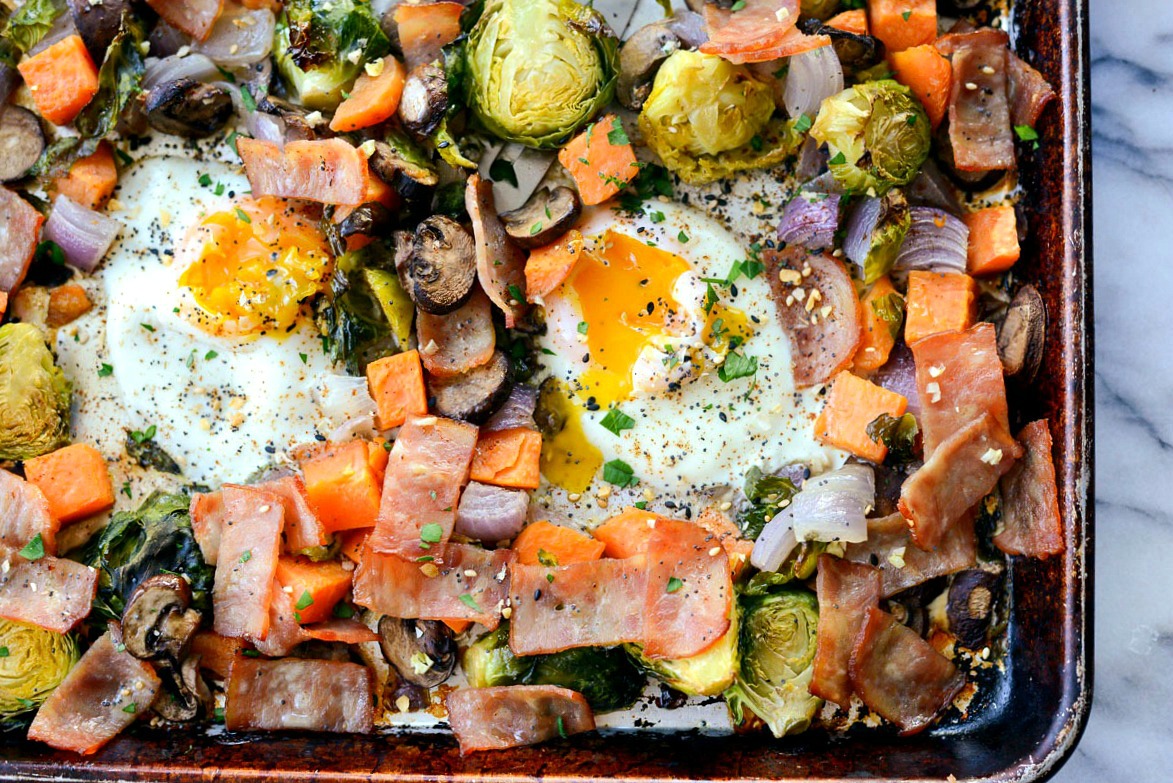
(1130, 734)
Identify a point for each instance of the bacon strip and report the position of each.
(899, 675)
(757, 26)
(249, 545)
(846, 591)
(194, 17)
(428, 465)
(958, 378)
(20, 230)
(960, 473)
(208, 515)
(794, 42)
(510, 716)
(1029, 92)
(459, 341)
(329, 171)
(1031, 522)
(24, 514)
(103, 694)
(338, 629)
(979, 106)
(51, 593)
(285, 632)
(500, 262)
(299, 693)
(302, 528)
(902, 564)
(390, 585)
(689, 591)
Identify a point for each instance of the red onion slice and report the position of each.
(241, 36)
(517, 410)
(899, 375)
(812, 159)
(266, 127)
(491, 514)
(936, 241)
(810, 220)
(860, 227)
(196, 67)
(346, 406)
(830, 507)
(931, 188)
(813, 76)
(83, 235)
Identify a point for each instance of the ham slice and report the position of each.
(500, 262)
(962, 471)
(689, 591)
(598, 603)
(51, 593)
(899, 675)
(758, 25)
(1031, 524)
(208, 515)
(24, 514)
(979, 106)
(464, 583)
(338, 629)
(902, 564)
(427, 467)
(846, 591)
(103, 694)
(794, 42)
(958, 378)
(460, 341)
(329, 171)
(302, 528)
(20, 230)
(249, 545)
(1029, 92)
(194, 17)
(299, 693)
(285, 632)
(510, 716)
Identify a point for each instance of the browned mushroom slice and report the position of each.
(98, 23)
(639, 60)
(547, 215)
(475, 395)
(425, 99)
(970, 608)
(423, 652)
(411, 177)
(371, 219)
(459, 341)
(443, 266)
(1022, 334)
(158, 620)
(188, 108)
(500, 262)
(21, 142)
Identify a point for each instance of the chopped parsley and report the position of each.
(617, 135)
(248, 555)
(907, 15)
(616, 421)
(470, 602)
(838, 160)
(210, 355)
(34, 549)
(305, 601)
(535, 229)
(106, 370)
(683, 237)
(516, 293)
(674, 584)
(656, 217)
(1027, 133)
(430, 533)
(803, 123)
(243, 216)
(131, 708)
(737, 365)
(246, 97)
(148, 327)
(547, 559)
(582, 327)
(560, 723)
(305, 357)
(740, 4)
(343, 610)
(205, 180)
(757, 143)
(3, 652)
(142, 436)
(619, 473)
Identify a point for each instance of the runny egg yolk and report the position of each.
(569, 460)
(624, 291)
(252, 267)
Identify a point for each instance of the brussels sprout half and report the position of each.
(707, 674)
(34, 395)
(539, 69)
(33, 663)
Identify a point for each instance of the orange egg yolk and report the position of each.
(254, 267)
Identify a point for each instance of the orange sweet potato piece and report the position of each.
(599, 167)
(626, 534)
(314, 587)
(928, 74)
(91, 180)
(397, 386)
(564, 544)
(508, 458)
(75, 481)
(852, 405)
(62, 79)
(902, 24)
(373, 98)
(549, 266)
(993, 240)
(876, 339)
(343, 486)
(938, 303)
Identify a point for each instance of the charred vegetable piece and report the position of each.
(371, 219)
(404, 166)
(972, 596)
(857, 51)
(1022, 334)
(476, 394)
(297, 126)
(425, 99)
(707, 674)
(21, 142)
(547, 215)
(188, 108)
(443, 266)
(158, 621)
(34, 395)
(423, 652)
(98, 23)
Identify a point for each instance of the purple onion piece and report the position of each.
(266, 127)
(824, 183)
(812, 159)
(689, 27)
(812, 77)
(196, 67)
(491, 514)
(931, 188)
(516, 411)
(936, 241)
(860, 227)
(83, 235)
(899, 375)
(810, 220)
(241, 36)
(166, 40)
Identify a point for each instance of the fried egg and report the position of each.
(666, 369)
(200, 338)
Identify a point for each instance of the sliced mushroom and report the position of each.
(443, 266)
(158, 621)
(547, 215)
(639, 60)
(859, 51)
(475, 395)
(1022, 334)
(403, 244)
(412, 179)
(425, 99)
(21, 142)
(184, 691)
(296, 119)
(98, 23)
(972, 597)
(371, 219)
(423, 652)
(188, 108)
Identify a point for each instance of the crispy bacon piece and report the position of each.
(51, 593)
(1031, 522)
(217, 653)
(794, 42)
(689, 591)
(979, 106)
(846, 591)
(500, 262)
(428, 465)
(249, 545)
(758, 26)
(194, 17)
(459, 341)
(299, 693)
(510, 716)
(24, 514)
(20, 230)
(960, 473)
(1029, 92)
(103, 694)
(820, 346)
(302, 528)
(285, 632)
(902, 564)
(439, 589)
(338, 629)
(208, 514)
(329, 171)
(958, 378)
(596, 603)
(899, 675)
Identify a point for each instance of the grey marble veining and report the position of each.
(1130, 734)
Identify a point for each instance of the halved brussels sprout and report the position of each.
(707, 674)
(540, 69)
(34, 395)
(33, 662)
(877, 135)
(777, 645)
(707, 118)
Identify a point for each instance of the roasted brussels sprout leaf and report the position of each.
(34, 395)
(707, 674)
(877, 135)
(777, 649)
(898, 434)
(707, 118)
(156, 538)
(605, 676)
(766, 494)
(35, 661)
(353, 316)
(322, 45)
(149, 454)
(539, 69)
